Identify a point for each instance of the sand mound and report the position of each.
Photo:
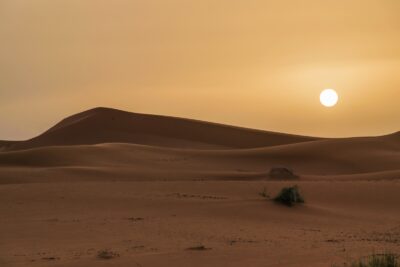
(104, 125)
(282, 173)
(319, 159)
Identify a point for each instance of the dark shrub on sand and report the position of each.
(107, 254)
(289, 196)
(376, 260)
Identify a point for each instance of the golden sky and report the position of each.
(253, 63)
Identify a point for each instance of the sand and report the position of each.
(150, 188)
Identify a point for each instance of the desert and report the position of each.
(201, 133)
(145, 190)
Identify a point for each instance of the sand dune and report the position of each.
(114, 140)
(347, 156)
(104, 125)
(106, 144)
(150, 187)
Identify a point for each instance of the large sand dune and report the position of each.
(104, 125)
(149, 187)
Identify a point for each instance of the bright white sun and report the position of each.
(329, 98)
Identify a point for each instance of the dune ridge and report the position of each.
(106, 125)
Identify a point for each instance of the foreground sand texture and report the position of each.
(150, 188)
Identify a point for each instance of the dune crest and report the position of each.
(106, 125)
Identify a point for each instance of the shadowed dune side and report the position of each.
(394, 137)
(6, 145)
(105, 125)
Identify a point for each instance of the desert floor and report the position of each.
(156, 223)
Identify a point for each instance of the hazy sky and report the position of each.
(253, 63)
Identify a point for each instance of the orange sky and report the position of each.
(254, 63)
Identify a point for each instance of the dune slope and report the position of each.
(119, 161)
(105, 125)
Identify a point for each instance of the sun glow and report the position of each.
(329, 98)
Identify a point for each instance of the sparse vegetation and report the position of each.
(107, 254)
(264, 193)
(376, 260)
(289, 196)
(201, 247)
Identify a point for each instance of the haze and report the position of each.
(258, 64)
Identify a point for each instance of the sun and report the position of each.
(329, 97)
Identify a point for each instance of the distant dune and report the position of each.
(103, 143)
(105, 125)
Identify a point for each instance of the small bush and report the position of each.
(107, 254)
(201, 247)
(289, 196)
(264, 193)
(377, 260)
